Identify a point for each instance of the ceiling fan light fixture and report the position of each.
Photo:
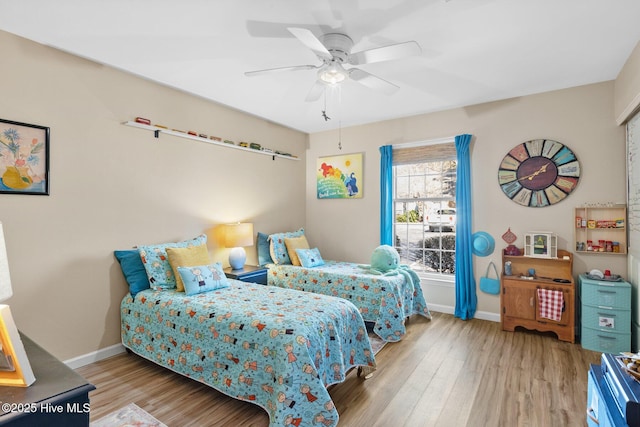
(333, 74)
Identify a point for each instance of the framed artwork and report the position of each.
(24, 158)
(339, 177)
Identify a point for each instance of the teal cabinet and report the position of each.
(605, 315)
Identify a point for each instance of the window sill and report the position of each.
(438, 280)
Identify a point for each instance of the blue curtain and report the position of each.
(386, 195)
(466, 298)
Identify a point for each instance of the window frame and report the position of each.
(436, 278)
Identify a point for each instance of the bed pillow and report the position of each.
(186, 257)
(278, 248)
(310, 257)
(133, 270)
(264, 254)
(203, 278)
(293, 243)
(156, 263)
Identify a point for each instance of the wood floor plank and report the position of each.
(445, 372)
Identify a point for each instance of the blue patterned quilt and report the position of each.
(384, 300)
(276, 348)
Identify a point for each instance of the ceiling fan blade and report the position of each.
(385, 53)
(316, 91)
(279, 69)
(309, 40)
(279, 29)
(373, 82)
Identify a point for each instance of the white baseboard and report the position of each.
(483, 315)
(94, 356)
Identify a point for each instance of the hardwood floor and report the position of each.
(445, 372)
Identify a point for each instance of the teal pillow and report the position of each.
(133, 270)
(203, 278)
(156, 262)
(264, 256)
(278, 249)
(310, 257)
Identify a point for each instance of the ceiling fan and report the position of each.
(335, 51)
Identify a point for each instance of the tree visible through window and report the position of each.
(425, 212)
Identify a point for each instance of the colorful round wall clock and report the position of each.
(539, 173)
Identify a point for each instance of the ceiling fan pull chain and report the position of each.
(324, 112)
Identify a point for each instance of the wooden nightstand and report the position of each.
(250, 273)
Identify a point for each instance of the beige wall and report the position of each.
(582, 118)
(627, 87)
(114, 186)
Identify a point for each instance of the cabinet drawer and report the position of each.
(616, 295)
(606, 320)
(605, 342)
(597, 411)
(601, 405)
(593, 402)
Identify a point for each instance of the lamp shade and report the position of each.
(238, 235)
(5, 279)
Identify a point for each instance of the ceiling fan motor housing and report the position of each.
(339, 45)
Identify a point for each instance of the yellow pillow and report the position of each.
(186, 257)
(293, 243)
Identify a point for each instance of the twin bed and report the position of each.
(272, 346)
(384, 301)
(276, 348)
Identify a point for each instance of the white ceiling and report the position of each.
(473, 51)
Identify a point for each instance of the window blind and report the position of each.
(424, 153)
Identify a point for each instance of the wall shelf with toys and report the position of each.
(601, 229)
(157, 130)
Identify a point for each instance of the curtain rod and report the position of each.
(425, 142)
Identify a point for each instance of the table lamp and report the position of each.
(15, 369)
(236, 237)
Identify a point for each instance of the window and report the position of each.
(424, 194)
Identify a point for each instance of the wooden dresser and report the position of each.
(519, 294)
